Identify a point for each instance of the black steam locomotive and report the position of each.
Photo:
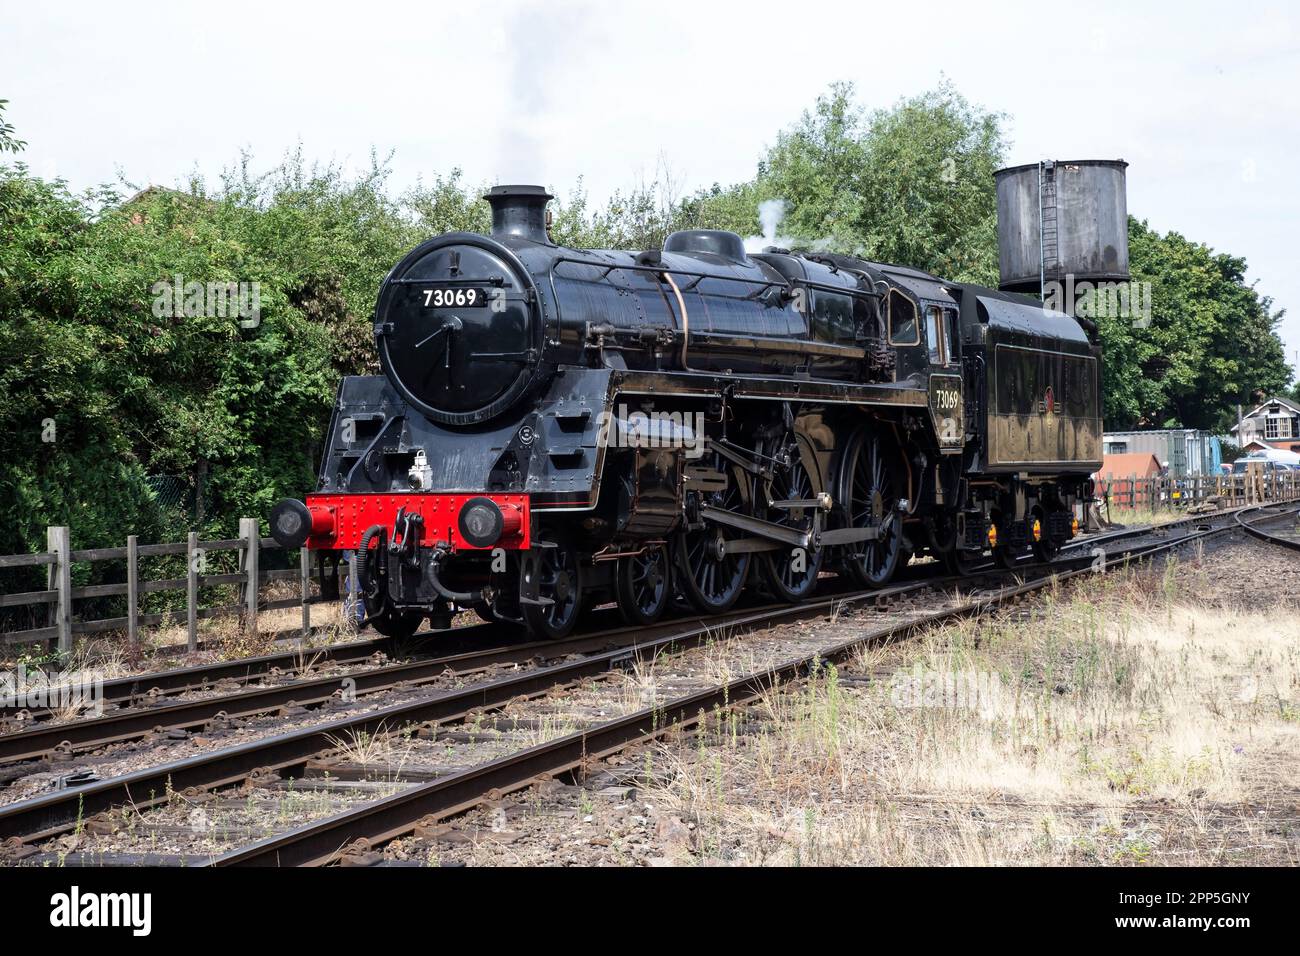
(560, 427)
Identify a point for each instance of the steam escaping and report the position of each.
(770, 214)
(541, 48)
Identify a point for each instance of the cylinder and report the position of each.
(1061, 219)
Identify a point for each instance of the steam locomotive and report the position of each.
(556, 428)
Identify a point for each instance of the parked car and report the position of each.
(1268, 465)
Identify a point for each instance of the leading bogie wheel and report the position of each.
(393, 623)
(645, 585)
(558, 575)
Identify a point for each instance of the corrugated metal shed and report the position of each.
(1186, 451)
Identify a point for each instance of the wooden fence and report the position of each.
(60, 594)
(1229, 490)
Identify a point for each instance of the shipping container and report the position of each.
(1183, 451)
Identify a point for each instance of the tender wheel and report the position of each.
(961, 562)
(1040, 537)
(868, 492)
(790, 573)
(559, 584)
(955, 560)
(1004, 556)
(645, 585)
(711, 579)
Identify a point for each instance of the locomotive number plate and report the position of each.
(459, 297)
(946, 412)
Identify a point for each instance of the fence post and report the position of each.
(192, 561)
(132, 589)
(304, 567)
(59, 543)
(249, 531)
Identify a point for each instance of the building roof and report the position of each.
(1142, 464)
(1155, 431)
(1275, 400)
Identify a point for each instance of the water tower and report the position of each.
(1062, 218)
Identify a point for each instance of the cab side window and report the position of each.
(954, 340)
(903, 327)
(934, 329)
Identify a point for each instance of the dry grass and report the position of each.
(1128, 721)
(1143, 515)
(223, 638)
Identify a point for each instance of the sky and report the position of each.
(1199, 98)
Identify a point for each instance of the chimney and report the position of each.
(519, 211)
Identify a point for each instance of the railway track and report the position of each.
(369, 825)
(1161, 531)
(54, 812)
(146, 689)
(458, 648)
(447, 793)
(151, 713)
(93, 733)
(1285, 539)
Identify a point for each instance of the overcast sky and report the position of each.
(1201, 98)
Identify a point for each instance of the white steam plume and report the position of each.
(770, 214)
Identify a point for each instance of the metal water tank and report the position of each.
(1083, 210)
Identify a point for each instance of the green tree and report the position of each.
(911, 185)
(1210, 342)
(9, 143)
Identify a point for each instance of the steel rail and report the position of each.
(323, 841)
(1253, 529)
(53, 813)
(93, 733)
(43, 739)
(124, 690)
(1157, 530)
